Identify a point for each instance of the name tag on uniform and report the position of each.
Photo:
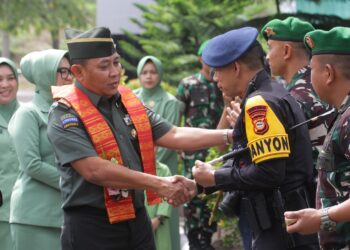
(127, 120)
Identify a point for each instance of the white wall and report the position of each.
(115, 14)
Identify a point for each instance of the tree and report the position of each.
(51, 15)
(174, 29)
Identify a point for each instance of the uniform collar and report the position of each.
(255, 83)
(306, 70)
(345, 104)
(202, 78)
(94, 98)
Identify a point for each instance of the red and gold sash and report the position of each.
(105, 143)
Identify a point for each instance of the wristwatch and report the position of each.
(326, 223)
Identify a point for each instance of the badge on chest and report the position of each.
(127, 120)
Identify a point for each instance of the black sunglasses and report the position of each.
(65, 72)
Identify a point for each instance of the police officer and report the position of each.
(103, 138)
(330, 77)
(203, 103)
(274, 173)
(289, 58)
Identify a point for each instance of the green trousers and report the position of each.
(29, 237)
(6, 242)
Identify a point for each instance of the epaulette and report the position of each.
(65, 102)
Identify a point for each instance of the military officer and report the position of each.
(103, 138)
(289, 58)
(203, 104)
(275, 171)
(330, 77)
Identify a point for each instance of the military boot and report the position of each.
(205, 241)
(193, 240)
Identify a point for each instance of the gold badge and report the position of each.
(258, 116)
(269, 32)
(309, 42)
(133, 133)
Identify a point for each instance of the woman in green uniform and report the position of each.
(151, 93)
(8, 157)
(35, 214)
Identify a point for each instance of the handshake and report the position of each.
(177, 189)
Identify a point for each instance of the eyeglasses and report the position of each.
(65, 72)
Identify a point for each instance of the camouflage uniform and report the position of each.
(333, 166)
(203, 105)
(301, 89)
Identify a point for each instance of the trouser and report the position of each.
(31, 237)
(6, 242)
(264, 212)
(87, 228)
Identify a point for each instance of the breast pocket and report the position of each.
(200, 96)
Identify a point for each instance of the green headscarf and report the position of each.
(11, 64)
(40, 68)
(145, 94)
(8, 109)
(155, 61)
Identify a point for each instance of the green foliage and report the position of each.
(51, 15)
(174, 30)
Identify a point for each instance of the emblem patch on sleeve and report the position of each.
(69, 120)
(258, 116)
(266, 135)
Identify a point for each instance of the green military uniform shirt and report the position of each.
(73, 143)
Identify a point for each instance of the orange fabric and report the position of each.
(105, 144)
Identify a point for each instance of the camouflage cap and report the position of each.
(290, 29)
(334, 41)
(93, 43)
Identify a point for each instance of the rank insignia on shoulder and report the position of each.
(258, 116)
(69, 120)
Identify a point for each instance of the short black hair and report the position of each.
(254, 57)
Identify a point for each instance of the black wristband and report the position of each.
(200, 189)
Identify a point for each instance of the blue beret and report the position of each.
(228, 47)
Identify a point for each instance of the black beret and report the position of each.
(93, 43)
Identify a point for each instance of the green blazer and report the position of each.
(8, 162)
(36, 196)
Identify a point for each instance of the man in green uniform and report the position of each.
(101, 183)
(330, 77)
(289, 58)
(203, 104)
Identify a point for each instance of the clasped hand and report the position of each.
(177, 190)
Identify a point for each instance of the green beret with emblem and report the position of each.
(93, 43)
(290, 29)
(334, 41)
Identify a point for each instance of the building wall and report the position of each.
(116, 14)
(338, 8)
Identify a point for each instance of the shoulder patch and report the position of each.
(267, 138)
(69, 120)
(63, 101)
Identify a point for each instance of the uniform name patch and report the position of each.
(69, 120)
(267, 138)
(269, 147)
